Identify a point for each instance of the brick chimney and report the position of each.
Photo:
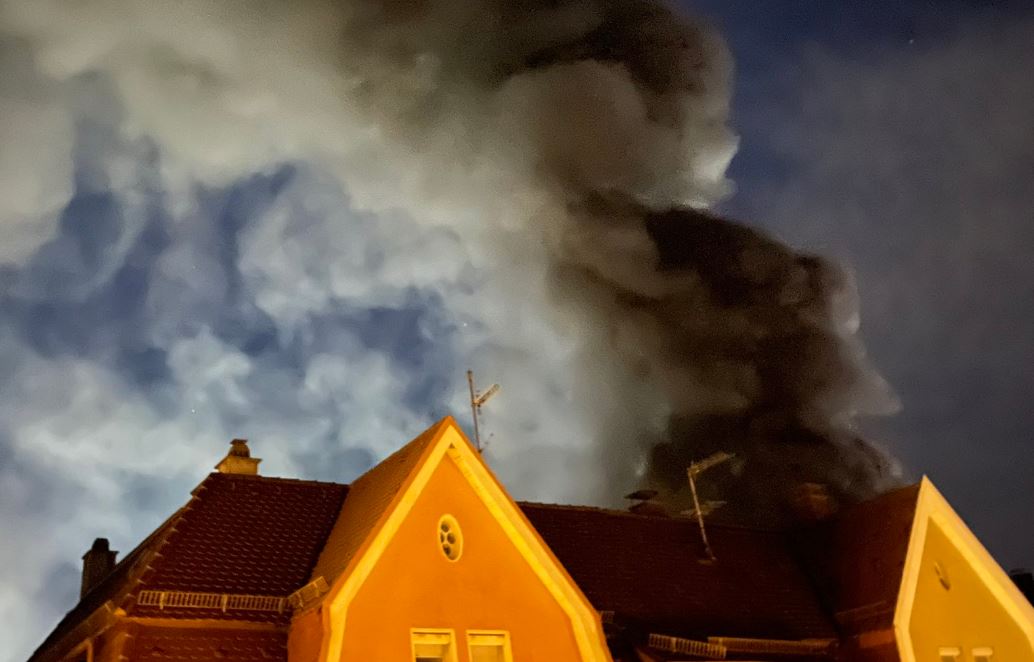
(239, 460)
(98, 562)
(812, 502)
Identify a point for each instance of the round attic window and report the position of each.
(450, 538)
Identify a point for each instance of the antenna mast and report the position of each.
(476, 402)
(694, 470)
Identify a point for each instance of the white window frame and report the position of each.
(983, 654)
(949, 653)
(498, 638)
(434, 636)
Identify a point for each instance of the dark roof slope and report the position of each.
(156, 644)
(249, 535)
(649, 572)
(245, 535)
(857, 558)
(238, 534)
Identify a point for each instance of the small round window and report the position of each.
(450, 538)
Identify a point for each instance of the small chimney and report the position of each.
(98, 563)
(645, 503)
(812, 502)
(239, 460)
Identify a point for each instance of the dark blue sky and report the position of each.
(896, 137)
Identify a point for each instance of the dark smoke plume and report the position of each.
(572, 145)
(622, 109)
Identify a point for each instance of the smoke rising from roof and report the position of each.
(570, 146)
(616, 113)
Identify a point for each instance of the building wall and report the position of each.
(955, 606)
(490, 587)
(305, 636)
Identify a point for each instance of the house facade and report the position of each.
(426, 558)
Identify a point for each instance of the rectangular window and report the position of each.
(982, 654)
(431, 645)
(949, 654)
(489, 646)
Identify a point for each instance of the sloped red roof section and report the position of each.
(245, 535)
(205, 645)
(651, 572)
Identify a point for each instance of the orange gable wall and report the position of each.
(491, 587)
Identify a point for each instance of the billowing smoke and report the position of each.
(214, 205)
(616, 114)
(569, 146)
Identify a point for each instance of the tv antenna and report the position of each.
(477, 400)
(694, 470)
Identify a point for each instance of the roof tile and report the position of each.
(649, 571)
(208, 645)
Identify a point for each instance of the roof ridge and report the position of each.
(277, 479)
(661, 518)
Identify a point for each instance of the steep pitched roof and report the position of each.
(237, 534)
(368, 498)
(203, 644)
(857, 558)
(648, 571)
(245, 535)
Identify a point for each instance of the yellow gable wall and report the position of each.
(491, 586)
(980, 607)
(967, 616)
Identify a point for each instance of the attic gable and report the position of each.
(389, 504)
(368, 498)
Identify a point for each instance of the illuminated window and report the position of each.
(950, 654)
(450, 538)
(433, 646)
(489, 646)
(982, 654)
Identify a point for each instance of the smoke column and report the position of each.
(573, 147)
(618, 113)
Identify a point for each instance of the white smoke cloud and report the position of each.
(419, 172)
(35, 162)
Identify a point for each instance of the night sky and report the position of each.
(150, 310)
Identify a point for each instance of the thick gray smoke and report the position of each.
(568, 144)
(618, 112)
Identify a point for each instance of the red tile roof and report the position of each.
(239, 534)
(648, 571)
(207, 645)
(244, 535)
